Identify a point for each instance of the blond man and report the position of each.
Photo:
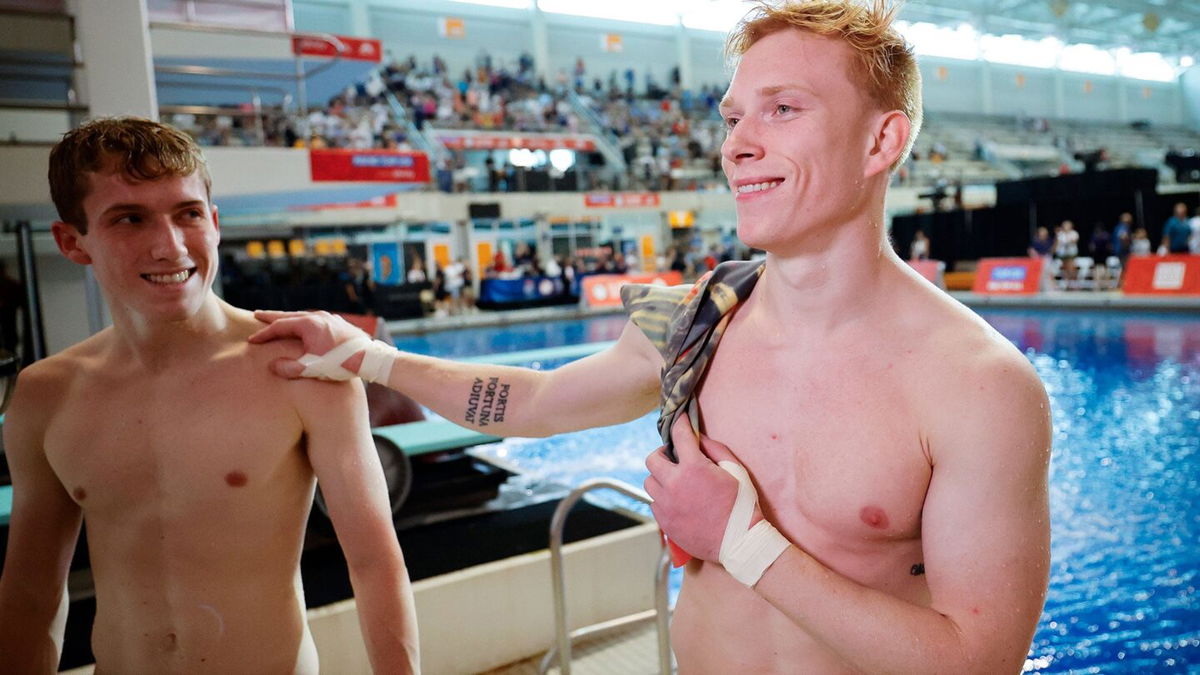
(867, 492)
(193, 468)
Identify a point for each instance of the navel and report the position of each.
(235, 478)
(874, 517)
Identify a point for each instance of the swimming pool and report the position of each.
(1124, 475)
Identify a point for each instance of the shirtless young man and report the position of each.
(193, 466)
(898, 444)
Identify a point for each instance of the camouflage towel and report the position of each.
(685, 324)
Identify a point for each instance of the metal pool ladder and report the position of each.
(564, 638)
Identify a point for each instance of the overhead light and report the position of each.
(1187, 61)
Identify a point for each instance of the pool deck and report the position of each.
(1077, 300)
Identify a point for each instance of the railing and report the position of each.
(563, 637)
(420, 139)
(607, 142)
(299, 78)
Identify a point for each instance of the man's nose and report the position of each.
(168, 243)
(742, 143)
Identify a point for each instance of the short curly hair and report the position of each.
(139, 148)
(886, 63)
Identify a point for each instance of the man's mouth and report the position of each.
(758, 187)
(172, 278)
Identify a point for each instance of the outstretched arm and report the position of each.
(41, 539)
(616, 385)
(984, 529)
(343, 457)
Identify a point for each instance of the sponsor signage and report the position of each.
(604, 290)
(355, 49)
(1000, 276)
(387, 166)
(382, 201)
(1162, 275)
(620, 200)
(514, 141)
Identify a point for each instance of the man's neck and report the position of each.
(156, 345)
(827, 283)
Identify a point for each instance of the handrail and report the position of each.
(301, 73)
(564, 637)
(609, 144)
(19, 104)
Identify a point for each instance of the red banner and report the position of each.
(620, 200)
(604, 290)
(382, 201)
(381, 166)
(510, 142)
(1162, 275)
(1008, 276)
(356, 49)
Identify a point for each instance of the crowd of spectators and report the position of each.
(669, 136)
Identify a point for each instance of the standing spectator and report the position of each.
(1100, 248)
(1066, 247)
(1176, 232)
(358, 286)
(1041, 247)
(919, 250)
(1140, 244)
(1194, 223)
(1122, 236)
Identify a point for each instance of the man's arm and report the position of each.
(41, 538)
(616, 385)
(985, 535)
(342, 454)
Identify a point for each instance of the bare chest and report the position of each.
(117, 443)
(830, 441)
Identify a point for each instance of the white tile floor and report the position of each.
(629, 651)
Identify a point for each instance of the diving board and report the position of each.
(419, 438)
(5, 504)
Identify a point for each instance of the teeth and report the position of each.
(758, 187)
(176, 278)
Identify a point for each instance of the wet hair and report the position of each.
(138, 148)
(885, 65)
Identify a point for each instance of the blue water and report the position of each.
(1124, 475)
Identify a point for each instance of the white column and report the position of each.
(118, 67)
(683, 49)
(360, 18)
(985, 84)
(1122, 99)
(1060, 106)
(541, 43)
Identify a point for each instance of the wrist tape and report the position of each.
(747, 552)
(376, 364)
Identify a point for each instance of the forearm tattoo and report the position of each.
(488, 402)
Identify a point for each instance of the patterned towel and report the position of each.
(685, 324)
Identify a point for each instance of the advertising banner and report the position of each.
(381, 166)
(1008, 276)
(1162, 275)
(604, 290)
(356, 49)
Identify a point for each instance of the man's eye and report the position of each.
(730, 122)
(784, 108)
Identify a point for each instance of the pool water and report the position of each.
(1124, 475)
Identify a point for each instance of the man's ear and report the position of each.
(70, 242)
(890, 132)
(216, 221)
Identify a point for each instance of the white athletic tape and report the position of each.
(376, 364)
(747, 552)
